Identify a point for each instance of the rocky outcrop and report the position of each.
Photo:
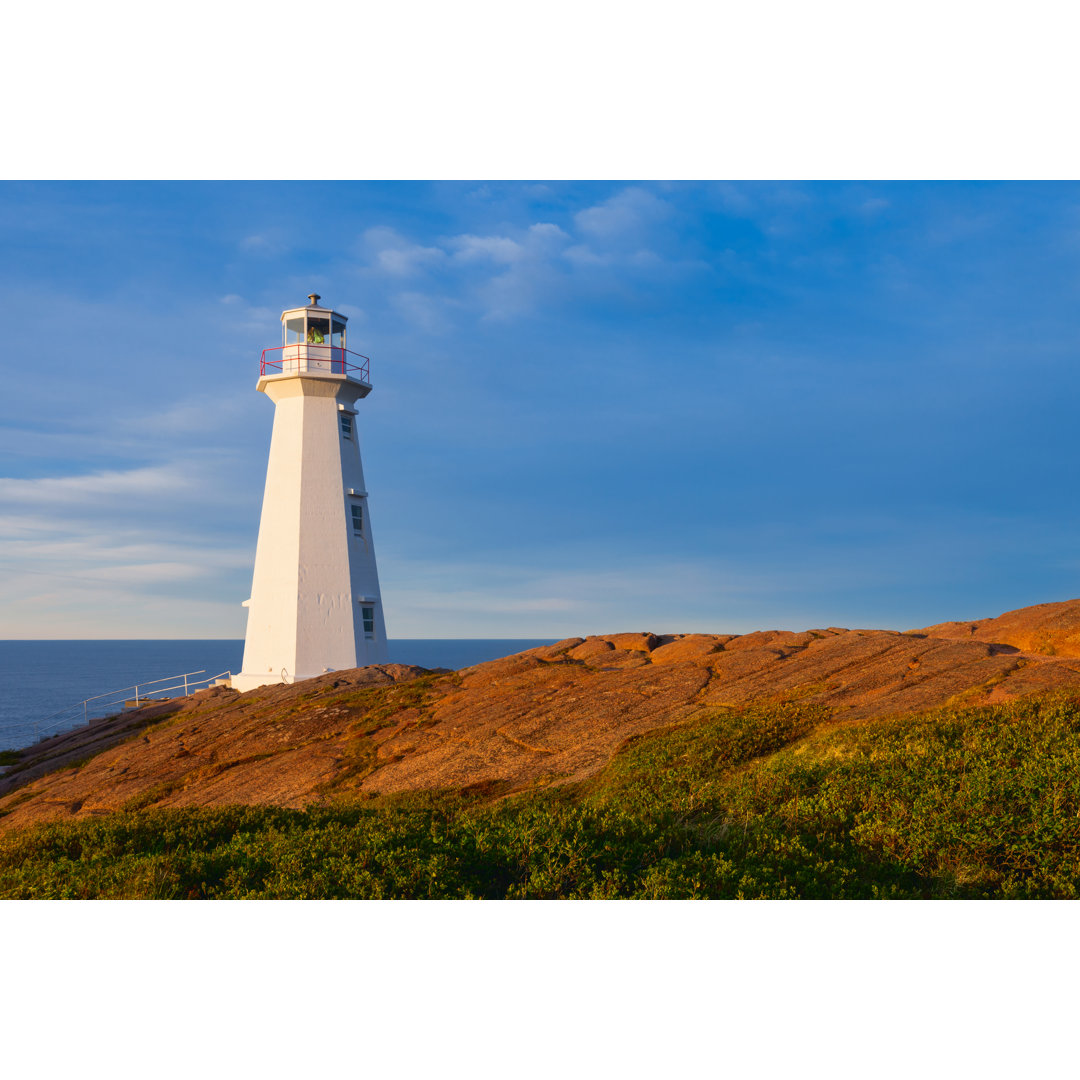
(1046, 629)
(547, 716)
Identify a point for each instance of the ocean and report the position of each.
(42, 682)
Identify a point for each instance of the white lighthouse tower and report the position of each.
(315, 603)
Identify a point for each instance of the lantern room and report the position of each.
(313, 343)
(313, 325)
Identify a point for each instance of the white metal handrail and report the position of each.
(69, 716)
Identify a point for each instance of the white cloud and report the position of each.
(396, 256)
(462, 600)
(528, 267)
(538, 241)
(515, 292)
(212, 413)
(734, 199)
(624, 218)
(500, 249)
(959, 227)
(91, 488)
(546, 236)
(86, 556)
(583, 255)
(507, 274)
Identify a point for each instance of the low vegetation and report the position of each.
(775, 802)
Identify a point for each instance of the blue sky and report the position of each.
(597, 406)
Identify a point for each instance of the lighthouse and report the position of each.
(315, 603)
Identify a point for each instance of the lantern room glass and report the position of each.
(314, 339)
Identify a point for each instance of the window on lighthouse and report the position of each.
(346, 426)
(368, 614)
(358, 519)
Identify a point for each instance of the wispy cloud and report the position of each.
(150, 481)
(114, 539)
(666, 596)
(258, 244)
(627, 219)
(499, 249)
(398, 257)
(208, 414)
(505, 274)
(873, 207)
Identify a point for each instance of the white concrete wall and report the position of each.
(311, 572)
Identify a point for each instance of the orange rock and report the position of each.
(635, 642)
(760, 638)
(1044, 629)
(556, 651)
(616, 658)
(690, 647)
(549, 715)
(593, 646)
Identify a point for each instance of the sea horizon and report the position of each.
(241, 640)
(40, 677)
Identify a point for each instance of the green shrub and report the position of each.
(771, 803)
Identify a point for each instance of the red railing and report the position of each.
(313, 359)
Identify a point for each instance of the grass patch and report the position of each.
(778, 802)
(380, 704)
(14, 801)
(150, 796)
(361, 760)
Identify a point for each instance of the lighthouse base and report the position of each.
(243, 681)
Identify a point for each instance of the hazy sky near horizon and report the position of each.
(597, 406)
